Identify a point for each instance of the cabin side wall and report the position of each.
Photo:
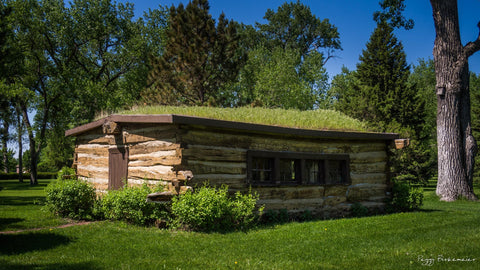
(220, 157)
(153, 154)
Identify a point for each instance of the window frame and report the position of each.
(300, 173)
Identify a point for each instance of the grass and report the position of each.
(314, 119)
(398, 241)
(21, 206)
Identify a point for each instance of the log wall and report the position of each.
(161, 153)
(220, 157)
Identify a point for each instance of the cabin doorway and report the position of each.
(117, 167)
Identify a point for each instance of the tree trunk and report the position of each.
(20, 143)
(6, 126)
(456, 146)
(33, 152)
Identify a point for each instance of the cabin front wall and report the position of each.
(165, 153)
(219, 156)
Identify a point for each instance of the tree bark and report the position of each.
(456, 146)
(6, 126)
(20, 143)
(33, 152)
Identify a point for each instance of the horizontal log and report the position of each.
(159, 172)
(95, 139)
(310, 192)
(166, 161)
(153, 146)
(336, 190)
(375, 167)
(369, 157)
(363, 192)
(210, 153)
(334, 200)
(91, 171)
(130, 138)
(231, 180)
(169, 158)
(368, 178)
(92, 149)
(94, 180)
(292, 205)
(209, 167)
(94, 160)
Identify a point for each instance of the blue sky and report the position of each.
(353, 18)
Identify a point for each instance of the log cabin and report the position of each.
(320, 171)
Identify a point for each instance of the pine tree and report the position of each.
(199, 58)
(382, 74)
(379, 93)
(475, 99)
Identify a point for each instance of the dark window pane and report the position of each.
(336, 172)
(289, 170)
(314, 171)
(262, 169)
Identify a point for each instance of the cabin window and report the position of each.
(292, 168)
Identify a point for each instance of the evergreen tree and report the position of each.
(379, 92)
(475, 99)
(382, 74)
(199, 58)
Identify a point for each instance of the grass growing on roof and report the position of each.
(314, 119)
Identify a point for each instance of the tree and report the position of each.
(456, 145)
(286, 57)
(294, 27)
(475, 99)
(199, 58)
(76, 61)
(7, 68)
(281, 78)
(378, 92)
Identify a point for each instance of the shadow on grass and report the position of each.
(19, 200)
(53, 266)
(5, 222)
(33, 241)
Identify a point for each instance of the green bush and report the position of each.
(404, 198)
(66, 172)
(358, 210)
(129, 204)
(70, 198)
(211, 209)
(275, 216)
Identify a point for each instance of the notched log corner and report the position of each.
(401, 143)
(111, 128)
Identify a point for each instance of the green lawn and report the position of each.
(439, 232)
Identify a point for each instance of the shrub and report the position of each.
(70, 198)
(66, 172)
(358, 210)
(211, 209)
(404, 198)
(275, 216)
(129, 204)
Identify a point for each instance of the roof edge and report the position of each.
(261, 128)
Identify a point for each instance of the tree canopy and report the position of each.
(75, 60)
(200, 56)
